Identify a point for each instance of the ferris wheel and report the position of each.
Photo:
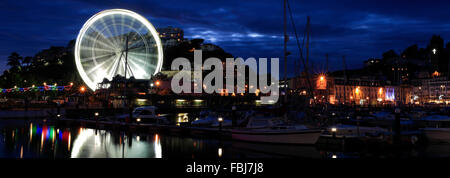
(117, 42)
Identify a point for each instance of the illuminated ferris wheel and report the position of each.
(117, 42)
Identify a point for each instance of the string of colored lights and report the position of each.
(37, 88)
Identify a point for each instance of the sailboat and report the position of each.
(276, 129)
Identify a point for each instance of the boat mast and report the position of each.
(285, 50)
(345, 78)
(308, 21)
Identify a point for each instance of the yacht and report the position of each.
(436, 128)
(274, 129)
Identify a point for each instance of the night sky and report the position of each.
(245, 28)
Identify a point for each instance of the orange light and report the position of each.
(322, 77)
(157, 83)
(357, 90)
(71, 83)
(436, 74)
(82, 89)
(142, 93)
(380, 91)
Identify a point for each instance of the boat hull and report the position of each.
(437, 134)
(307, 137)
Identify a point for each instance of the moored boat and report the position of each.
(274, 130)
(437, 128)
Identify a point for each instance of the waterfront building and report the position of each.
(432, 89)
(171, 36)
(362, 91)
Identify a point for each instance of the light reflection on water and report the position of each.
(23, 139)
(42, 140)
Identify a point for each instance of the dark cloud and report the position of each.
(356, 29)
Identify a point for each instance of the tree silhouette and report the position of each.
(14, 60)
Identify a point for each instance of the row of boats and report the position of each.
(267, 126)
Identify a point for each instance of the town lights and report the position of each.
(380, 91)
(357, 90)
(157, 83)
(82, 89)
(322, 78)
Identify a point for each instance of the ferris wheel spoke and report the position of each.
(83, 60)
(85, 48)
(122, 32)
(102, 43)
(98, 66)
(141, 63)
(106, 27)
(109, 70)
(116, 65)
(105, 40)
(142, 26)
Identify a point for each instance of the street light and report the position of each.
(220, 120)
(219, 152)
(334, 130)
(434, 51)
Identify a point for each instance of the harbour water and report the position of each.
(36, 139)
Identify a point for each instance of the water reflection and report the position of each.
(42, 140)
(25, 139)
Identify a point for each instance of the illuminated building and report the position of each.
(170, 36)
(431, 90)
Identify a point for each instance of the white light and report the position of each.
(334, 156)
(138, 120)
(434, 51)
(334, 129)
(98, 73)
(219, 152)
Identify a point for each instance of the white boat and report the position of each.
(206, 119)
(438, 128)
(272, 130)
(145, 114)
(349, 131)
